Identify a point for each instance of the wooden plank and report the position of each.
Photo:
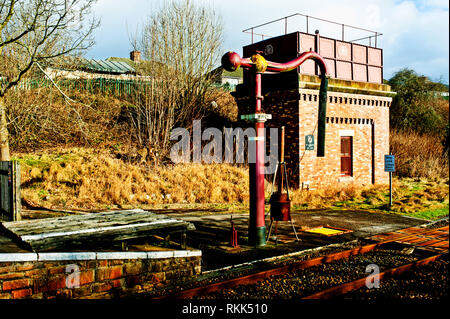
(92, 229)
(104, 219)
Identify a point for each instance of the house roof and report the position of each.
(107, 66)
(128, 61)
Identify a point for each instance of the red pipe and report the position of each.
(257, 225)
(258, 91)
(231, 61)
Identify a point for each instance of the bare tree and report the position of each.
(181, 44)
(35, 31)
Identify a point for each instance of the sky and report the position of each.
(415, 33)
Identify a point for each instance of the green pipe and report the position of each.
(322, 116)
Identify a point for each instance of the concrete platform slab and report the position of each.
(213, 233)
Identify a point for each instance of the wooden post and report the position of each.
(4, 190)
(282, 160)
(16, 191)
(282, 145)
(10, 205)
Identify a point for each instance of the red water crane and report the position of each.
(232, 61)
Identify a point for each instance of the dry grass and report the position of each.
(338, 193)
(419, 155)
(415, 197)
(87, 179)
(225, 106)
(42, 118)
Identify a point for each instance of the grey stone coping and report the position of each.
(60, 256)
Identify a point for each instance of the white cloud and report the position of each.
(415, 33)
(443, 4)
(416, 39)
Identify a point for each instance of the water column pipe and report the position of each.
(231, 61)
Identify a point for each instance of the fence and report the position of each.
(9, 191)
(113, 87)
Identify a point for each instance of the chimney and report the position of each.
(135, 56)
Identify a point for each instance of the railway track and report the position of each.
(337, 273)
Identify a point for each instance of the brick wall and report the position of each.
(363, 115)
(45, 278)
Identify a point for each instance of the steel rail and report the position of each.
(376, 34)
(308, 16)
(259, 276)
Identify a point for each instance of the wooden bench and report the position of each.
(87, 230)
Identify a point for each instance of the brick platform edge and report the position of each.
(91, 275)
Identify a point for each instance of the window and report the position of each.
(346, 155)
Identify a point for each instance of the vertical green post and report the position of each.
(322, 116)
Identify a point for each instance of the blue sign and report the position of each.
(389, 163)
(309, 142)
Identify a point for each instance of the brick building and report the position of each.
(357, 118)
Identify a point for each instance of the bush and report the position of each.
(418, 155)
(415, 107)
(41, 118)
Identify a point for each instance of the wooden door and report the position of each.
(346, 155)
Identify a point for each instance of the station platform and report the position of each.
(212, 233)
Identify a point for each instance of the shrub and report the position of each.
(415, 106)
(41, 118)
(418, 155)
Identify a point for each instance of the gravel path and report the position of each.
(429, 282)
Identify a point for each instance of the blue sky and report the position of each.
(415, 33)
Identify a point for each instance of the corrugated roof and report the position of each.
(107, 66)
(93, 65)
